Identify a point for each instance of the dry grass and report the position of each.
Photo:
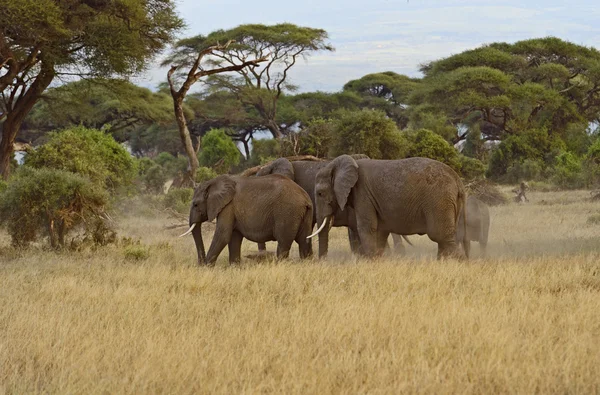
(524, 320)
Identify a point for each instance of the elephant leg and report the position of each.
(283, 249)
(222, 235)
(367, 231)
(382, 242)
(262, 247)
(354, 241)
(448, 249)
(235, 247)
(398, 245)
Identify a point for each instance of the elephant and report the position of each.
(404, 196)
(478, 223)
(304, 173)
(259, 209)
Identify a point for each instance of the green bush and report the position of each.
(218, 151)
(154, 179)
(315, 139)
(567, 171)
(205, 174)
(50, 202)
(591, 165)
(426, 144)
(264, 150)
(535, 144)
(179, 199)
(368, 132)
(529, 169)
(136, 253)
(3, 186)
(88, 152)
(471, 168)
(172, 165)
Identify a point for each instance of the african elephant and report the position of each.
(405, 196)
(304, 173)
(478, 223)
(257, 208)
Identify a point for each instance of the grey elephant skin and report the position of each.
(478, 223)
(259, 209)
(405, 196)
(304, 173)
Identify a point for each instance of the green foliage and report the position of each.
(567, 171)
(367, 132)
(3, 186)
(51, 202)
(205, 174)
(179, 199)
(471, 168)
(425, 143)
(528, 169)
(173, 165)
(218, 151)
(315, 139)
(154, 179)
(136, 253)
(534, 144)
(87, 152)
(117, 105)
(264, 150)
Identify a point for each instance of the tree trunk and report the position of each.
(18, 112)
(186, 139)
(274, 129)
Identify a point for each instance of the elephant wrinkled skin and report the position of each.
(406, 196)
(259, 209)
(303, 173)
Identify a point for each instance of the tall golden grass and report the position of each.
(525, 319)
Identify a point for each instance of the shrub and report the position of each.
(368, 132)
(205, 174)
(314, 140)
(154, 179)
(88, 152)
(591, 165)
(218, 151)
(426, 144)
(529, 169)
(264, 150)
(471, 168)
(136, 253)
(179, 199)
(487, 192)
(535, 144)
(567, 171)
(594, 219)
(51, 202)
(172, 165)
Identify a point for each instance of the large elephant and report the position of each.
(478, 223)
(260, 209)
(406, 196)
(303, 173)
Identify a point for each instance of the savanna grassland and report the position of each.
(144, 319)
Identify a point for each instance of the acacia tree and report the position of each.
(43, 39)
(503, 89)
(286, 44)
(195, 54)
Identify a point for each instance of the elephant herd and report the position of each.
(372, 198)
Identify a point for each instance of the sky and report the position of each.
(383, 35)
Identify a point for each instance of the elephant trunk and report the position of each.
(326, 220)
(197, 234)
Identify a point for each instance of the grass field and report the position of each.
(525, 319)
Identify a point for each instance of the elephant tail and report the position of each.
(462, 213)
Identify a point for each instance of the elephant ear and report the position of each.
(345, 175)
(220, 193)
(279, 166)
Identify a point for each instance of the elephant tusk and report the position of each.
(320, 228)
(189, 230)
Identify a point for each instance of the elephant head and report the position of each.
(333, 185)
(209, 199)
(279, 166)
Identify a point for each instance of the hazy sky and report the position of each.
(380, 35)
